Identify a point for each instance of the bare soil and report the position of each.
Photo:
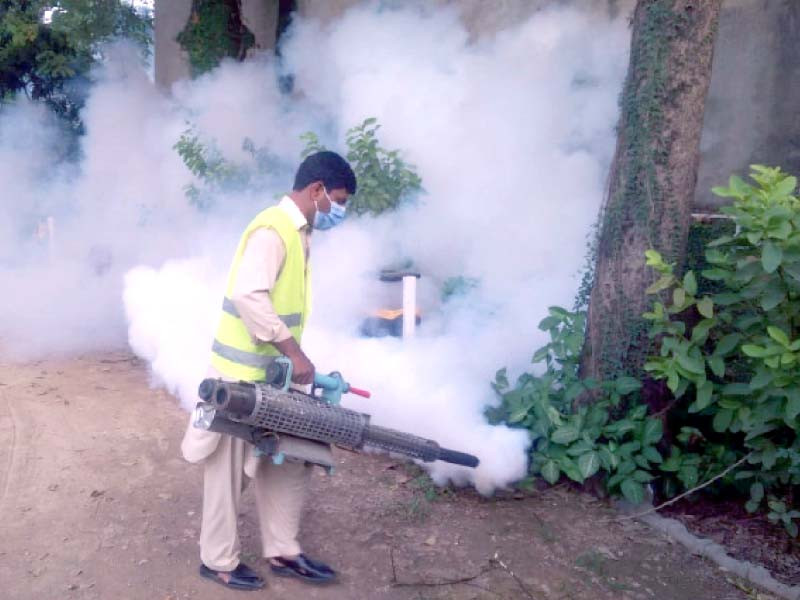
(96, 503)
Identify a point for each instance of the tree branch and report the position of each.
(687, 492)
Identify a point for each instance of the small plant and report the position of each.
(215, 173)
(611, 435)
(385, 180)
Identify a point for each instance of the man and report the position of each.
(264, 311)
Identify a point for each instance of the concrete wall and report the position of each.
(480, 17)
(171, 16)
(171, 62)
(752, 111)
(261, 18)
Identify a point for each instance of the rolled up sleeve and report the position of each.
(262, 260)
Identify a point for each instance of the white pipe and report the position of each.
(409, 306)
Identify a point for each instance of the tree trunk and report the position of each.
(653, 175)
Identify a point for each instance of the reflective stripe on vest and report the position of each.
(235, 353)
(249, 359)
(292, 320)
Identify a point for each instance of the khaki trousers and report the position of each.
(280, 492)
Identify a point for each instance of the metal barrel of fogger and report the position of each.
(286, 412)
(304, 416)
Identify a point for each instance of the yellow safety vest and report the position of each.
(234, 353)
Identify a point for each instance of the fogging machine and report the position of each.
(262, 413)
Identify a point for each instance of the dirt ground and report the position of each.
(96, 503)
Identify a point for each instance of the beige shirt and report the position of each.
(262, 260)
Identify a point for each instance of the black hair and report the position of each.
(328, 167)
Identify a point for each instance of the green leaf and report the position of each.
(754, 237)
(671, 464)
(786, 186)
(722, 420)
(717, 365)
(736, 389)
(777, 506)
(548, 323)
(653, 430)
(792, 405)
(706, 307)
(661, 284)
(727, 344)
(757, 492)
(688, 475)
(653, 258)
(751, 506)
(778, 335)
(580, 447)
(628, 448)
(620, 427)
(692, 364)
(641, 461)
(690, 283)
(565, 435)
(703, 397)
(754, 351)
(633, 491)
(626, 467)
(761, 379)
(626, 385)
(570, 469)
(771, 257)
(772, 298)
(550, 472)
(673, 381)
(519, 414)
(589, 464)
(541, 354)
(678, 297)
(608, 458)
(653, 455)
(715, 274)
(700, 331)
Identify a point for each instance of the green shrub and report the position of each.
(575, 438)
(734, 354)
(385, 180)
(215, 173)
(729, 352)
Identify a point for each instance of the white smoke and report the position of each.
(512, 137)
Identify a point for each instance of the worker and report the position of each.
(264, 311)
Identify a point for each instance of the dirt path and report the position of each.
(97, 504)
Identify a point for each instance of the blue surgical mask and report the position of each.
(332, 218)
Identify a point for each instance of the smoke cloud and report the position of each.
(511, 135)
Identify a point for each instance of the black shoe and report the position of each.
(303, 568)
(241, 578)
